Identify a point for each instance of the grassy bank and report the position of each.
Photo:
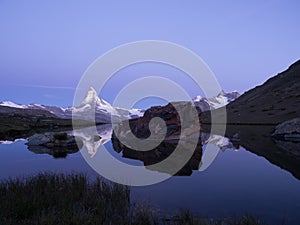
(73, 199)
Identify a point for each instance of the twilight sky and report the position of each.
(45, 46)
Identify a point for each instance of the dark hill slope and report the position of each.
(22, 123)
(273, 102)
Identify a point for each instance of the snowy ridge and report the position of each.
(13, 105)
(95, 108)
(92, 107)
(53, 109)
(216, 102)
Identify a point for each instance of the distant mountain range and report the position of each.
(104, 111)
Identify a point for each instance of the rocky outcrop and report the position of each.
(288, 127)
(176, 130)
(288, 131)
(56, 144)
(169, 113)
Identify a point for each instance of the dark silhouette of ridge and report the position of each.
(275, 101)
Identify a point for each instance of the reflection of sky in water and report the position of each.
(236, 182)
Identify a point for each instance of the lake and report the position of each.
(238, 182)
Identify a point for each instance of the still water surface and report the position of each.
(238, 182)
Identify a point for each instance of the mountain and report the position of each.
(254, 116)
(19, 121)
(275, 101)
(57, 111)
(222, 99)
(103, 110)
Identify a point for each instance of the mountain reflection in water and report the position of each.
(255, 139)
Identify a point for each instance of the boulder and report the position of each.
(288, 131)
(140, 126)
(39, 139)
(54, 143)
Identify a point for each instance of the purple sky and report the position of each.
(45, 46)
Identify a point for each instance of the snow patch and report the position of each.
(13, 105)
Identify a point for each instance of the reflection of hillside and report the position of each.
(161, 152)
(257, 139)
(57, 152)
(290, 147)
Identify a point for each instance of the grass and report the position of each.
(72, 199)
(62, 199)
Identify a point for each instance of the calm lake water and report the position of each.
(238, 182)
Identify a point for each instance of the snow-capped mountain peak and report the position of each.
(218, 101)
(222, 93)
(93, 107)
(94, 101)
(197, 98)
(91, 97)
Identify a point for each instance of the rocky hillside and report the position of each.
(22, 123)
(140, 126)
(275, 101)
